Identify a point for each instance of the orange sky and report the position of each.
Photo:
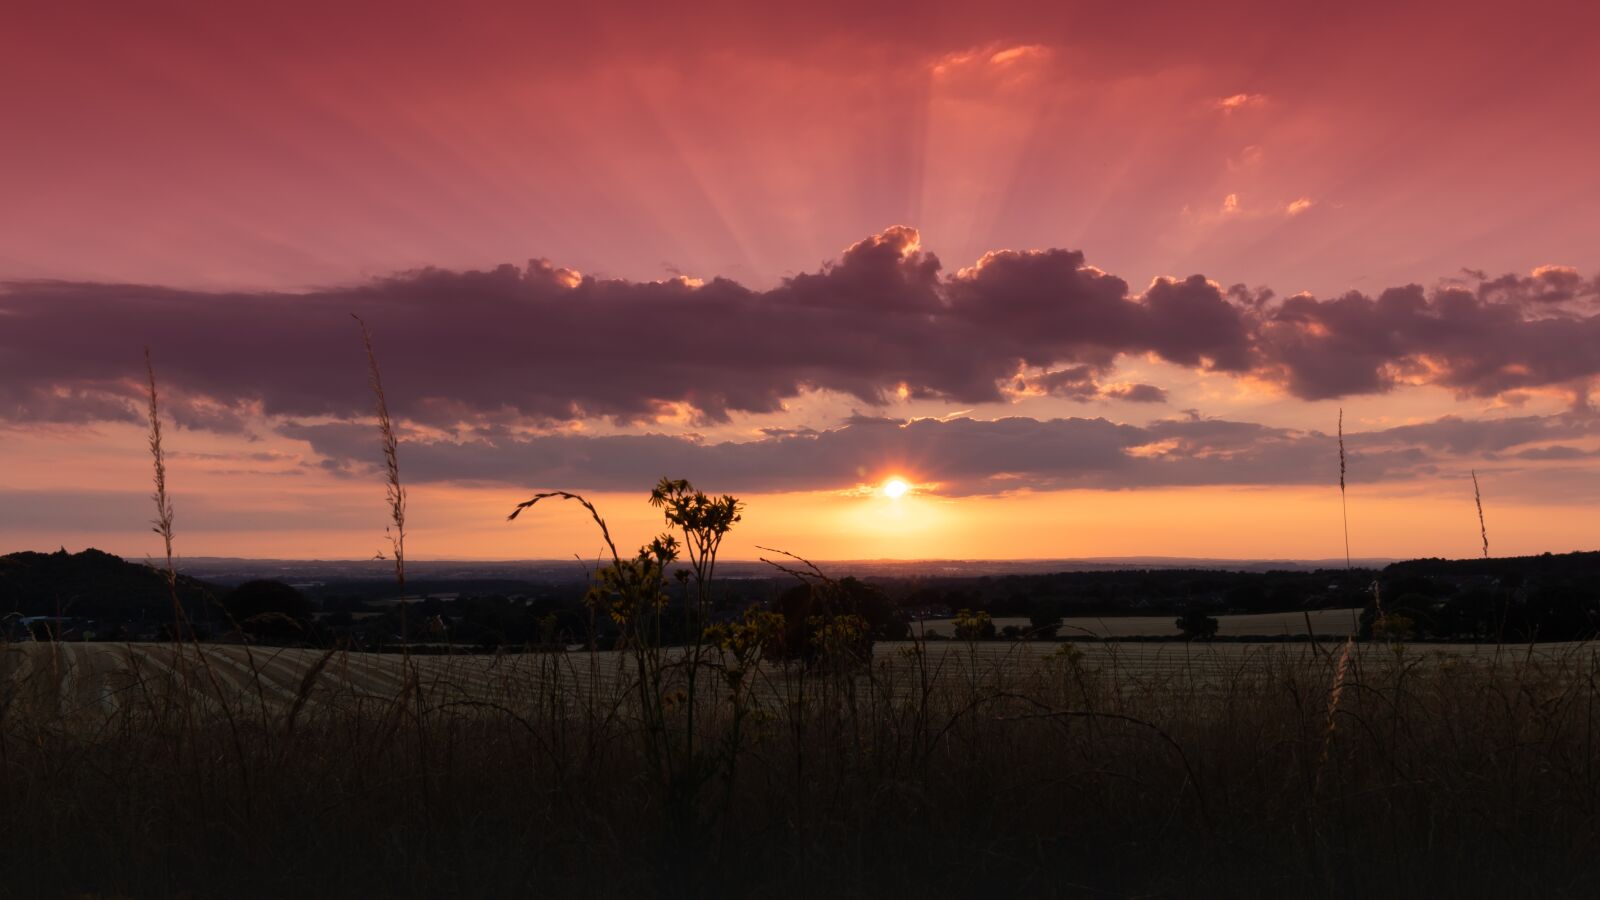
(793, 253)
(81, 488)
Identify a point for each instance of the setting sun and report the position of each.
(895, 488)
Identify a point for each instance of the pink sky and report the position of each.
(791, 253)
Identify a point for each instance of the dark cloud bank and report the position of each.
(965, 456)
(511, 346)
(544, 342)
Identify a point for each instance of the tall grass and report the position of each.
(1344, 511)
(409, 701)
(1477, 500)
(181, 671)
(394, 491)
(162, 524)
(1344, 508)
(1060, 770)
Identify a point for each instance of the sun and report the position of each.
(895, 488)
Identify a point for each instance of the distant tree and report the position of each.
(1419, 608)
(268, 609)
(846, 616)
(1394, 627)
(1404, 617)
(1196, 624)
(1472, 613)
(883, 618)
(1045, 619)
(1247, 596)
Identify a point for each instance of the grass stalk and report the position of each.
(1344, 508)
(1477, 499)
(162, 523)
(395, 494)
(394, 491)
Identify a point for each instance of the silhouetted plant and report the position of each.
(632, 592)
(1477, 500)
(1344, 508)
(1195, 624)
(834, 621)
(269, 609)
(968, 625)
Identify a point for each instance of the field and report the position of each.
(87, 684)
(1324, 623)
(944, 767)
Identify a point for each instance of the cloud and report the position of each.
(962, 455)
(1137, 393)
(1248, 157)
(989, 59)
(1237, 102)
(1296, 207)
(546, 344)
(1018, 53)
(1485, 436)
(1079, 383)
(31, 513)
(1555, 452)
(1076, 383)
(1505, 335)
(1546, 286)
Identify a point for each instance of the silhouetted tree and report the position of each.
(1196, 624)
(849, 613)
(1045, 620)
(269, 609)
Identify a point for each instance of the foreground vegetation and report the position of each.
(953, 769)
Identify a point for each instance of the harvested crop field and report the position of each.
(84, 683)
(1323, 622)
(1158, 769)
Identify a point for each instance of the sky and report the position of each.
(1089, 279)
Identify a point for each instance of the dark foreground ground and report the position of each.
(946, 771)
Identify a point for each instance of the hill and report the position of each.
(1552, 596)
(1582, 564)
(93, 584)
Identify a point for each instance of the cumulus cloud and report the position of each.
(1545, 286)
(547, 344)
(1503, 336)
(542, 342)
